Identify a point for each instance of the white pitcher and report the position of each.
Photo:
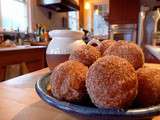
(61, 45)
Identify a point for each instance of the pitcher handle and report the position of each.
(94, 42)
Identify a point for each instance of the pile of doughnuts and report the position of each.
(112, 74)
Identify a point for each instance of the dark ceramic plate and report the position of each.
(90, 112)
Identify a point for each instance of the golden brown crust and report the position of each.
(149, 86)
(112, 82)
(105, 45)
(68, 81)
(129, 51)
(85, 54)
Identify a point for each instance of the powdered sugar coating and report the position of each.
(105, 45)
(149, 86)
(85, 54)
(68, 81)
(112, 82)
(129, 51)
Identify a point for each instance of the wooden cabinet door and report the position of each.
(116, 12)
(131, 12)
(124, 11)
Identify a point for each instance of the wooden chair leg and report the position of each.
(2, 73)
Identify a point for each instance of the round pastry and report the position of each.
(112, 82)
(85, 54)
(68, 81)
(105, 45)
(149, 86)
(129, 51)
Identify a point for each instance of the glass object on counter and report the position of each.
(46, 36)
(41, 33)
(14, 14)
(125, 32)
(19, 40)
(38, 32)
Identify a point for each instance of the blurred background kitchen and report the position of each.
(25, 24)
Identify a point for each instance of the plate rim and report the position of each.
(91, 111)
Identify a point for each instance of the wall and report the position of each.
(77, 1)
(39, 15)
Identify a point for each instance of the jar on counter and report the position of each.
(61, 45)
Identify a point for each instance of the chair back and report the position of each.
(1, 37)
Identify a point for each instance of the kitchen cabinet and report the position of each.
(132, 10)
(116, 12)
(124, 11)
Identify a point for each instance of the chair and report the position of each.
(1, 37)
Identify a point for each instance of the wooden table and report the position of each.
(19, 101)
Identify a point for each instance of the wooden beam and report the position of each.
(81, 13)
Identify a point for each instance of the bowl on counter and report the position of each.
(90, 112)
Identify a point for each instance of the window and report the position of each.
(14, 14)
(100, 23)
(73, 20)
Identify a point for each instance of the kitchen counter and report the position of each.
(155, 51)
(19, 101)
(32, 57)
(25, 47)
